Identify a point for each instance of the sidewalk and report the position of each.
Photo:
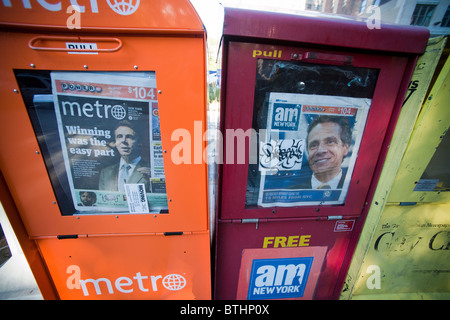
(16, 279)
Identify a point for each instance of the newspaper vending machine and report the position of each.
(308, 108)
(91, 94)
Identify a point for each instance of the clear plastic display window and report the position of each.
(100, 138)
(310, 119)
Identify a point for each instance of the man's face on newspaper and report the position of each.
(126, 141)
(326, 149)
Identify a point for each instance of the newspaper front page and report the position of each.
(297, 148)
(108, 125)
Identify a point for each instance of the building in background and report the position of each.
(433, 14)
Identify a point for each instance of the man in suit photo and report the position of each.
(328, 142)
(132, 168)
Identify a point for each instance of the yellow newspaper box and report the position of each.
(94, 94)
(403, 249)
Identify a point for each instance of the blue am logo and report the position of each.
(286, 116)
(279, 278)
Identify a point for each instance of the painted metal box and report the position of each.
(92, 95)
(308, 109)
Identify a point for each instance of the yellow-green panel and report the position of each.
(418, 88)
(408, 255)
(411, 183)
(405, 296)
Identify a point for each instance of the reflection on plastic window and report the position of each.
(436, 176)
(100, 137)
(314, 118)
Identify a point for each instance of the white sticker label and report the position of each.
(89, 47)
(136, 198)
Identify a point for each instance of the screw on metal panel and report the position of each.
(37, 152)
(159, 91)
(117, 217)
(165, 151)
(78, 218)
(54, 202)
(170, 200)
(295, 56)
(16, 91)
(32, 65)
(85, 66)
(135, 67)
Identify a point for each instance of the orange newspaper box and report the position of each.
(93, 94)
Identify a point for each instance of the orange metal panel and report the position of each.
(130, 267)
(159, 15)
(179, 64)
(109, 256)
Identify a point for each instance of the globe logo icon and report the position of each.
(174, 282)
(118, 112)
(124, 7)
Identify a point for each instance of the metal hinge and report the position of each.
(251, 221)
(403, 204)
(256, 221)
(407, 203)
(180, 233)
(67, 236)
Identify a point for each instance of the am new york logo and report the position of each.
(279, 278)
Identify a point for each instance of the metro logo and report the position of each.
(279, 278)
(54, 6)
(121, 7)
(171, 282)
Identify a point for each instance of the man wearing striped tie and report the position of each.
(328, 143)
(131, 167)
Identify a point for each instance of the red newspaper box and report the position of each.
(308, 109)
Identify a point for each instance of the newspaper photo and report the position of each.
(308, 152)
(108, 125)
